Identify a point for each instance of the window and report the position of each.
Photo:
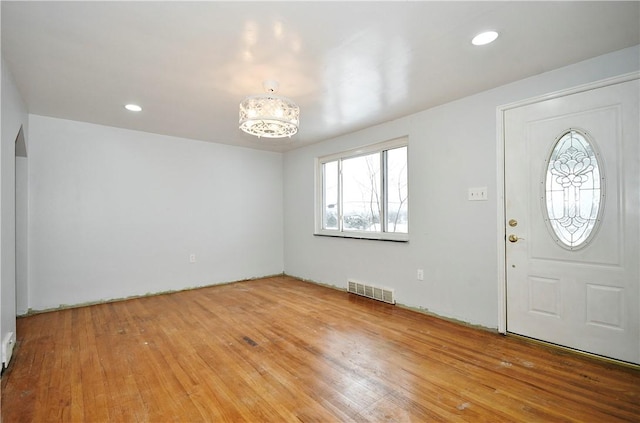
(363, 193)
(574, 190)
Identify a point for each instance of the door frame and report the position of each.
(501, 234)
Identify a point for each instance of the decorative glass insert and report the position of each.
(574, 190)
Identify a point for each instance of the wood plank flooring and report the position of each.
(283, 350)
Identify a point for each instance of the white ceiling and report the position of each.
(348, 65)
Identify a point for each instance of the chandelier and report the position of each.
(268, 115)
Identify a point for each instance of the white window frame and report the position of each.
(319, 199)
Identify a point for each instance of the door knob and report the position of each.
(514, 238)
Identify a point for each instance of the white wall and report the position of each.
(14, 115)
(22, 227)
(451, 148)
(116, 213)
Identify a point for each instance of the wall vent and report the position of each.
(370, 291)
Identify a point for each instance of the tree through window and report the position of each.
(364, 193)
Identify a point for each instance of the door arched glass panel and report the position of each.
(573, 190)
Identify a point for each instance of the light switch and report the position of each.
(478, 194)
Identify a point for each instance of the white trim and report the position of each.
(500, 186)
(501, 233)
(579, 89)
(361, 151)
(376, 236)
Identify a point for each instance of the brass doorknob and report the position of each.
(514, 238)
(513, 223)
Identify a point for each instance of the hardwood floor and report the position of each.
(279, 349)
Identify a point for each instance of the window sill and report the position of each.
(393, 237)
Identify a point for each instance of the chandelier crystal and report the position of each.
(269, 115)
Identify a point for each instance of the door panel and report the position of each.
(587, 297)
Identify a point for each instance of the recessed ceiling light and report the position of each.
(484, 38)
(133, 108)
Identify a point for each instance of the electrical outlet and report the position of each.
(420, 274)
(478, 194)
(192, 258)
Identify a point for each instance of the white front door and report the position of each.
(572, 220)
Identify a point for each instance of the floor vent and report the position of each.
(371, 291)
